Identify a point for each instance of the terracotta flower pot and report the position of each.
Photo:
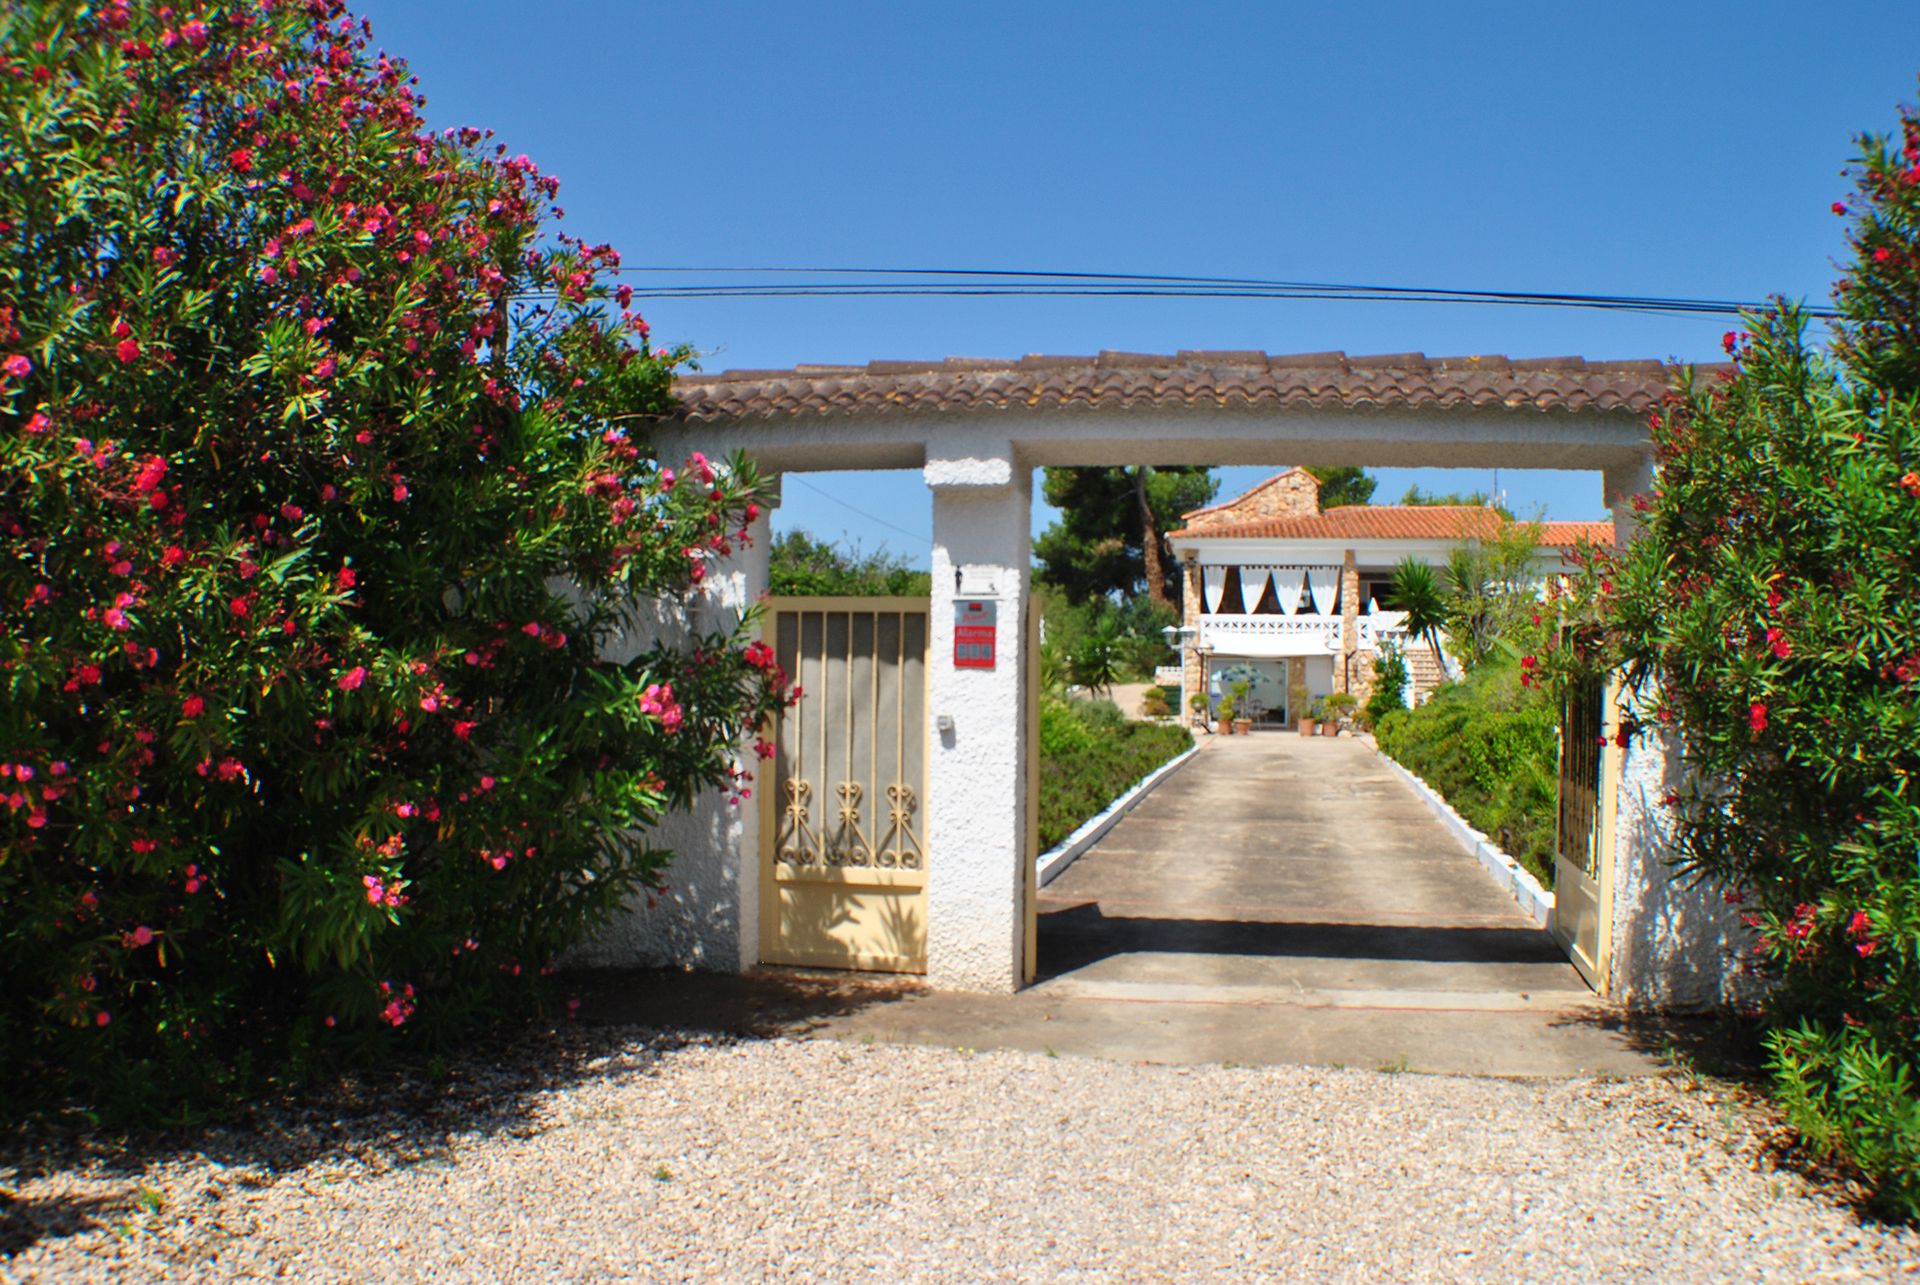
(1243, 726)
(1308, 727)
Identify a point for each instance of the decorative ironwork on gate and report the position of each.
(846, 855)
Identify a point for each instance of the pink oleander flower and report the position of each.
(353, 678)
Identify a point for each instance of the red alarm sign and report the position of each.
(973, 621)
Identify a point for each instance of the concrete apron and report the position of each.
(1281, 900)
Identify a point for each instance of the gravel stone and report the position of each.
(623, 1155)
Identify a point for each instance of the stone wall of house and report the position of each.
(1360, 675)
(1292, 494)
(1349, 621)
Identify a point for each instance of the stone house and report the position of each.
(1292, 598)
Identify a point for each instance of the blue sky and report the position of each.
(1682, 150)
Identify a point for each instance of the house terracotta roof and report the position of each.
(1565, 535)
(1116, 380)
(1396, 522)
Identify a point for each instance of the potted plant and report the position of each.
(1316, 714)
(1224, 715)
(1198, 704)
(1243, 721)
(1339, 712)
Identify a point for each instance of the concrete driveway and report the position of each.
(1295, 891)
(1279, 899)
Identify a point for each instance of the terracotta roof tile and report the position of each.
(1397, 522)
(1565, 535)
(1115, 380)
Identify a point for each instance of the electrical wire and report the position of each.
(1023, 283)
(1156, 279)
(912, 535)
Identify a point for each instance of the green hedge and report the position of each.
(1089, 756)
(1487, 744)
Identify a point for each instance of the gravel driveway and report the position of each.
(643, 1158)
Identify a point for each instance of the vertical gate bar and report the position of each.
(849, 703)
(873, 736)
(797, 771)
(900, 729)
(826, 715)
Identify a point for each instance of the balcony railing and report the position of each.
(1302, 635)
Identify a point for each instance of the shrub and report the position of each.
(1100, 715)
(1089, 758)
(801, 564)
(1489, 745)
(1389, 684)
(312, 539)
(1770, 613)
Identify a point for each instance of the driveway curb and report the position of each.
(1068, 850)
(1507, 872)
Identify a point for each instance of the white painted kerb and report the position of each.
(1507, 872)
(1056, 859)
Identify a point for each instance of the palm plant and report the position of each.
(1096, 661)
(1416, 591)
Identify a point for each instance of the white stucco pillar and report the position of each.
(1676, 944)
(976, 774)
(1618, 486)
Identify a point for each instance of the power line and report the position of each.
(1147, 278)
(1020, 283)
(1667, 308)
(911, 535)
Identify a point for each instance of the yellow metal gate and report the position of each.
(843, 860)
(1583, 832)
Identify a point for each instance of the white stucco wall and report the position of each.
(709, 915)
(1319, 675)
(1677, 944)
(976, 795)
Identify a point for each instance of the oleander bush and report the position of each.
(1489, 744)
(1089, 756)
(1770, 612)
(322, 484)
